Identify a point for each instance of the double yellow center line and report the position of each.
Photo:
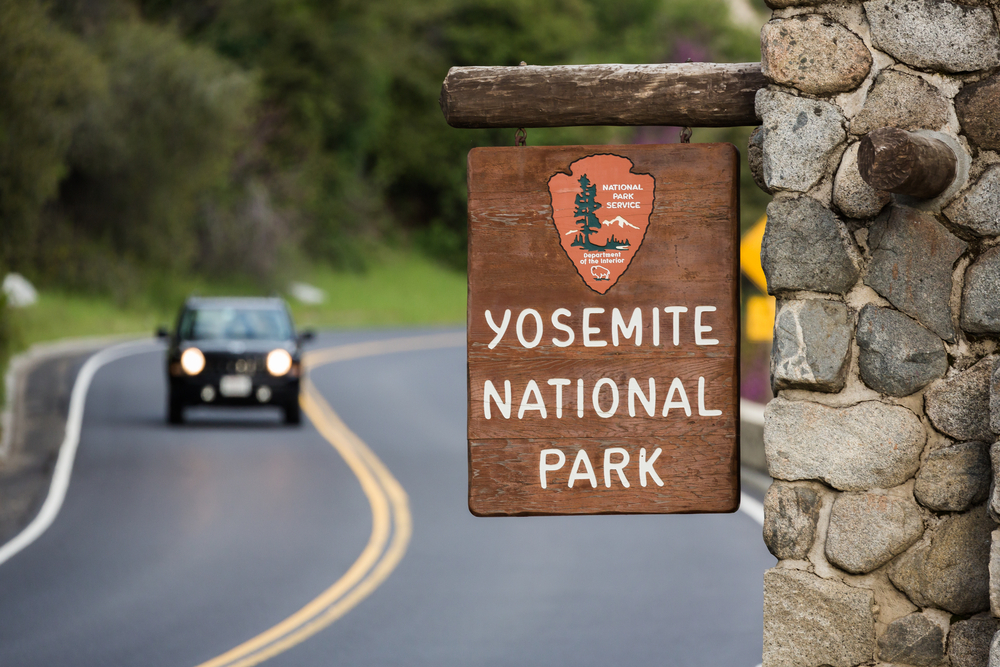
(391, 521)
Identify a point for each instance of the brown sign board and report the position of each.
(603, 329)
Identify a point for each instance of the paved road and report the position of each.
(175, 545)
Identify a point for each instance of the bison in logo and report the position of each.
(600, 273)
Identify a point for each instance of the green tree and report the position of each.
(216, 134)
(46, 77)
(149, 154)
(586, 214)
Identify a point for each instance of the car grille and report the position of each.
(241, 365)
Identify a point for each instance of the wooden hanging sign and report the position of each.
(603, 329)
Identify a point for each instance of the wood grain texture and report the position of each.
(688, 94)
(688, 258)
(906, 163)
(697, 475)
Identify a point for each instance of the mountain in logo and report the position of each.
(622, 222)
(600, 253)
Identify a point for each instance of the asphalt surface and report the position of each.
(42, 402)
(176, 544)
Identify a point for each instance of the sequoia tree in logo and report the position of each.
(601, 249)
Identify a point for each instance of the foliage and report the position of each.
(351, 90)
(46, 76)
(239, 135)
(146, 154)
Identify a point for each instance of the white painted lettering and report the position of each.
(676, 311)
(520, 328)
(635, 390)
(575, 474)
(597, 397)
(702, 411)
(634, 326)
(499, 331)
(589, 331)
(490, 391)
(533, 399)
(676, 386)
(617, 467)
(656, 327)
(646, 467)
(558, 383)
(539, 405)
(562, 312)
(545, 467)
(699, 329)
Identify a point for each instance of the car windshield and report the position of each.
(235, 324)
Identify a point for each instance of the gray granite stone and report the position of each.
(978, 210)
(812, 345)
(969, 641)
(814, 54)
(901, 100)
(896, 355)
(864, 446)
(914, 639)
(995, 573)
(981, 294)
(801, 137)
(912, 259)
(935, 34)
(994, 657)
(755, 158)
(949, 568)
(994, 504)
(959, 405)
(953, 479)
(806, 247)
(867, 530)
(995, 400)
(790, 515)
(854, 197)
(976, 105)
(813, 621)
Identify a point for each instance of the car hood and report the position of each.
(238, 346)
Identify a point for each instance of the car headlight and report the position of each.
(192, 361)
(279, 362)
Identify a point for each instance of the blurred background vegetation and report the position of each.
(152, 147)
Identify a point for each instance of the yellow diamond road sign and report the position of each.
(760, 308)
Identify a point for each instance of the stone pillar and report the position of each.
(886, 338)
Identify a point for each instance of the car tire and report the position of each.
(175, 410)
(293, 413)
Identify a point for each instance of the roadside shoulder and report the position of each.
(38, 387)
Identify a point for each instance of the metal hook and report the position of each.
(520, 135)
(686, 131)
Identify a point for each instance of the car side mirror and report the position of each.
(306, 336)
(161, 332)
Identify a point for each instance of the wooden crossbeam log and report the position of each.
(688, 94)
(906, 163)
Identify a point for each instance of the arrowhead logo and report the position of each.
(601, 211)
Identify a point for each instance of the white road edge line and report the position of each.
(752, 508)
(67, 450)
(751, 412)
